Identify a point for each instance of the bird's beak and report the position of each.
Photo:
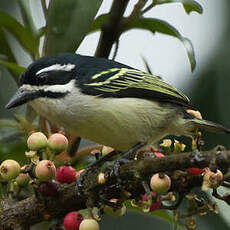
(22, 96)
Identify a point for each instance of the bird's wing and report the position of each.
(125, 82)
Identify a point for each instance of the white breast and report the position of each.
(117, 122)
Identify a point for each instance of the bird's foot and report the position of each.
(98, 163)
(122, 160)
(115, 170)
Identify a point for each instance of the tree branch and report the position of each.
(111, 30)
(21, 214)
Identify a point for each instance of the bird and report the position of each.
(107, 102)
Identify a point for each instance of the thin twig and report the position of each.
(74, 146)
(137, 8)
(148, 8)
(115, 50)
(44, 8)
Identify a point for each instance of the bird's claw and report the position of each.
(79, 182)
(115, 170)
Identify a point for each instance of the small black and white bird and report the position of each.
(107, 102)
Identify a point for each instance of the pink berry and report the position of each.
(58, 142)
(23, 179)
(72, 221)
(37, 141)
(48, 188)
(45, 170)
(66, 174)
(9, 169)
(89, 224)
(160, 183)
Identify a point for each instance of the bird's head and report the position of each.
(51, 77)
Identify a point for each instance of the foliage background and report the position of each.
(208, 89)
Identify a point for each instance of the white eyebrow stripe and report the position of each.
(66, 67)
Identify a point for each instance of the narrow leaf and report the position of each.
(25, 125)
(13, 67)
(25, 7)
(9, 123)
(68, 23)
(189, 5)
(5, 48)
(160, 26)
(23, 35)
(147, 67)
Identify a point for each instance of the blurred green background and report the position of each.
(208, 89)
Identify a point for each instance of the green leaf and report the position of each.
(147, 67)
(9, 123)
(98, 22)
(25, 7)
(5, 48)
(23, 35)
(156, 25)
(25, 125)
(13, 67)
(68, 23)
(15, 151)
(162, 214)
(189, 5)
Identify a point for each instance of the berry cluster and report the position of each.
(41, 174)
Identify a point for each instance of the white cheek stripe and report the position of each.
(52, 88)
(61, 88)
(57, 67)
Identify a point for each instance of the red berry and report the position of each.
(66, 174)
(145, 196)
(154, 206)
(196, 171)
(72, 221)
(48, 188)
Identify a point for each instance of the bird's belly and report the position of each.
(120, 122)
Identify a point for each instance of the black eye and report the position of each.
(42, 79)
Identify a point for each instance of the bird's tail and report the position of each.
(209, 126)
